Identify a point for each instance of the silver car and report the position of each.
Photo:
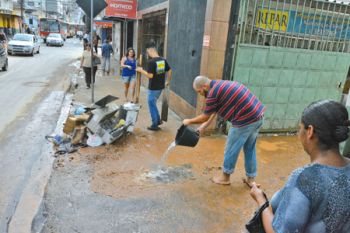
(23, 44)
(54, 39)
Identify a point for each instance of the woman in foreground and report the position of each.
(316, 197)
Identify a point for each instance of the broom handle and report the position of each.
(138, 82)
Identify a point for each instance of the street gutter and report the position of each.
(30, 201)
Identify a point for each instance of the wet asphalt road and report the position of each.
(31, 94)
(28, 76)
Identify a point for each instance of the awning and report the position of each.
(85, 5)
(104, 23)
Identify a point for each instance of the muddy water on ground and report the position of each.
(128, 171)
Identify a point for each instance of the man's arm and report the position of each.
(170, 72)
(197, 120)
(206, 124)
(142, 71)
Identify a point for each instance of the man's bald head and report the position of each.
(201, 85)
(200, 81)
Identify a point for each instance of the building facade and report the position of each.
(10, 21)
(288, 54)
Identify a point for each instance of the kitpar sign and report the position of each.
(121, 8)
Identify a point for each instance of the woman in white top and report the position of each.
(86, 65)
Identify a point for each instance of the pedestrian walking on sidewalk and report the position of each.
(157, 68)
(85, 63)
(106, 56)
(235, 103)
(128, 65)
(86, 39)
(316, 197)
(95, 40)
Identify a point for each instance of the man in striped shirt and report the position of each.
(235, 103)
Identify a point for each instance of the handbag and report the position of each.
(96, 61)
(255, 224)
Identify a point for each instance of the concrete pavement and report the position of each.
(106, 189)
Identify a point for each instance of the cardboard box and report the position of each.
(71, 123)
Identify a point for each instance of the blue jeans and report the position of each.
(242, 137)
(106, 61)
(153, 96)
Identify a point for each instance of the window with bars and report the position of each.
(305, 24)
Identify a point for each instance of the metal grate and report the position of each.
(305, 24)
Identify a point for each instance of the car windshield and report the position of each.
(23, 37)
(55, 35)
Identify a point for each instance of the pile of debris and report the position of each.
(102, 123)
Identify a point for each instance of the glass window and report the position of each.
(153, 31)
(23, 37)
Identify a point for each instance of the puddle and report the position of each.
(164, 174)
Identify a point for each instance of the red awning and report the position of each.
(104, 24)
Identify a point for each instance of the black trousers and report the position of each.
(87, 71)
(95, 46)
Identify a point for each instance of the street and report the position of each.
(32, 92)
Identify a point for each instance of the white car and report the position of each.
(23, 44)
(54, 39)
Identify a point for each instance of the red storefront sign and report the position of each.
(121, 8)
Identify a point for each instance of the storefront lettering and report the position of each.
(121, 6)
(272, 19)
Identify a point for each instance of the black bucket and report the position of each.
(186, 136)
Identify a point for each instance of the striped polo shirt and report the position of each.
(234, 102)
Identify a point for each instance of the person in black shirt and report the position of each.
(157, 67)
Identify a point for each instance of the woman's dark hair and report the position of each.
(330, 120)
(127, 52)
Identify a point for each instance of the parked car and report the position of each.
(38, 41)
(23, 44)
(3, 57)
(3, 39)
(54, 39)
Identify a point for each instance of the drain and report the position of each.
(36, 84)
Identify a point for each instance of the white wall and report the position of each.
(116, 33)
(135, 33)
(6, 5)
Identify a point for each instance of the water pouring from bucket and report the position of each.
(185, 136)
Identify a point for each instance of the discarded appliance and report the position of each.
(103, 122)
(113, 121)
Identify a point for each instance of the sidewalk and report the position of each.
(104, 189)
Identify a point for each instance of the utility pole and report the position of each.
(22, 16)
(92, 51)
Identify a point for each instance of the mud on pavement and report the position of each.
(120, 188)
(105, 189)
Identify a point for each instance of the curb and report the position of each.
(30, 204)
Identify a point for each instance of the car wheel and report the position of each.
(32, 54)
(6, 66)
